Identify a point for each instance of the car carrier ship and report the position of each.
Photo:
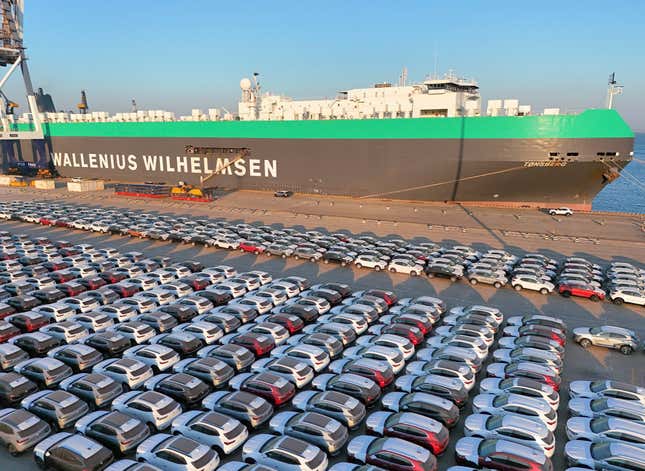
(426, 141)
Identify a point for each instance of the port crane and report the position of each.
(12, 55)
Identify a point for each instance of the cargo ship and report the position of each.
(427, 141)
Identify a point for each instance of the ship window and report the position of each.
(572, 154)
(600, 154)
(554, 154)
(611, 153)
(435, 112)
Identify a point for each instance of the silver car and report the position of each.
(59, 408)
(116, 430)
(524, 386)
(20, 430)
(533, 408)
(342, 407)
(607, 388)
(154, 409)
(320, 430)
(629, 410)
(315, 357)
(211, 428)
(512, 427)
(608, 336)
(608, 456)
(179, 453)
(127, 371)
(284, 453)
(609, 429)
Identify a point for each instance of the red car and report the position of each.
(551, 333)
(69, 252)
(71, 288)
(6, 310)
(8, 256)
(61, 223)
(378, 371)
(250, 246)
(113, 277)
(582, 290)
(423, 324)
(7, 331)
(388, 296)
(270, 386)
(46, 221)
(94, 282)
(61, 244)
(291, 322)
(410, 332)
(259, 344)
(125, 290)
(196, 283)
(410, 426)
(28, 321)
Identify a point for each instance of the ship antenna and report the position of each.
(436, 59)
(134, 106)
(612, 90)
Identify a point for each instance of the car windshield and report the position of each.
(601, 451)
(601, 424)
(487, 447)
(595, 330)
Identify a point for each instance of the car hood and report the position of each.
(357, 448)
(578, 450)
(579, 388)
(467, 447)
(496, 370)
(475, 422)
(578, 425)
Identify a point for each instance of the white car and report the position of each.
(156, 356)
(211, 428)
(532, 282)
(56, 312)
(630, 295)
(152, 408)
(370, 261)
(225, 243)
(560, 211)
(399, 265)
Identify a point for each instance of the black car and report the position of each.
(116, 430)
(67, 451)
(160, 321)
(6, 310)
(103, 295)
(48, 295)
(226, 322)
(162, 261)
(443, 271)
(334, 256)
(110, 344)
(193, 265)
(180, 312)
(332, 296)
(360, 387)
(243, 313)
(184, 344)
(236, 356)
(303, 312)
(186, 389)
(14, 388)
(19, 288)
(342, 288)
(217, 297)
(23, 303)
(36, 344)
(78, 356)
(212, 371)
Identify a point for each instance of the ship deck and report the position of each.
(597, 236)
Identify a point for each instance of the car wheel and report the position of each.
(284, 255)
(626, 350)
(392, 270)
(358, 265)
(241, 250)
(257, 252)
(152, 428)
(40, 463)
(473, 281)
(413, 273)
(566, 294)
(342, 264)
(431, 275)
(296, 257)
(453, 278)
(618, 301)
(312, 259)
(497, 284)
(517, 287)
(12, 450)
(325, 262)
(377, 268)
(585, 343)
(594, 298)
(544, 291)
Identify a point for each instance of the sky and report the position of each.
(178, 55)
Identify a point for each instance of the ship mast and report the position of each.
(612, 90)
